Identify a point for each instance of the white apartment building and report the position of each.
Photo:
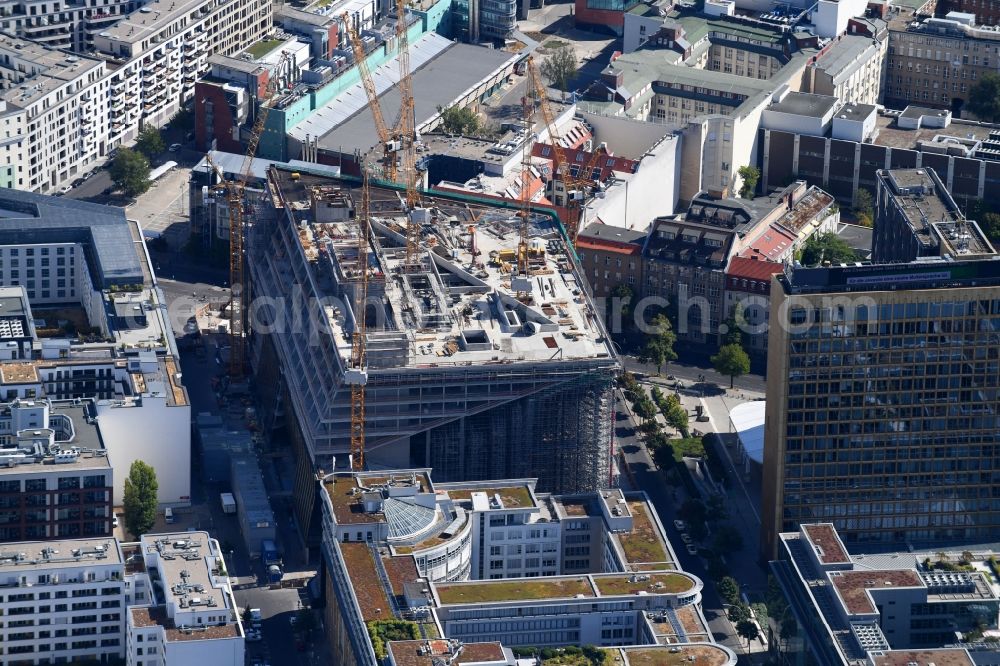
(62, 601)
(70, 253)
(62, 113)
(94, 599)
(158, 52)
(194, 618)
(850, 69)
(54, 114)
(63, 24)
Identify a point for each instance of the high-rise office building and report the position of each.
(883, 386)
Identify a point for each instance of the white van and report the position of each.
(168, 515)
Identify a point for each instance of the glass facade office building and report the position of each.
(883, 402)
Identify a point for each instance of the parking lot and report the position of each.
(163, 210)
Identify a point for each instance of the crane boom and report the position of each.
(560, 164)
(384, 134)
(407, 134)
(357, 375)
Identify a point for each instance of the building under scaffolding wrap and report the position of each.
(465, 376)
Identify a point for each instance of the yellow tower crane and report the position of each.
(237, 232)
(399, 143)
(357, 372)
(560, 164)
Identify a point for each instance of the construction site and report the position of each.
(474, 369)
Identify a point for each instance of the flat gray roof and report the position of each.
(917, 111)
(441, 80)
(13, 302)
(112, 254)
(306, 17)
(805, 104)
(47, 555)
(856, 111)
(250, 67)
(845, 57)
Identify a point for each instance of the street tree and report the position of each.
(864, 207)
(715, 508)
(150, 142)
(130, 172)
(560, 68)
(733, 361)
(692, 511)
(751, 176)
(738, 612)
(659, 347)
(645, 408)
(459, 120)
(728, 589)
(984, 97)
(675, 414)
(140, 499)
(726, 540)
(748, 629)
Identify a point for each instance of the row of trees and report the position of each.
(130, 168)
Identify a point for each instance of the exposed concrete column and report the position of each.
(951, 172)
(981, 190)
(795, 156)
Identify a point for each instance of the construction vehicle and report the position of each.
(236, 192)
(399, 142)
(561, 170)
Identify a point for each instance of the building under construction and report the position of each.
(465, 375)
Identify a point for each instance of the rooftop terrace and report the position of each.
(853, 586)
(644, 544)
(654, 583)
(679, 655)
(368, 589)
(827, 543)
(152, 616)
(346, 491)
(520, 589)
(512, 497)
(943, 657)
(416, 653)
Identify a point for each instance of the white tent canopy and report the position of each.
(747, 421)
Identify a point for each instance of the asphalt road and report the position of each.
(692, 370)
(666, 500)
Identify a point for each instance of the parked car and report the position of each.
(174, 147)
(679, 524)
(114, 522)
(692, 549)
(686, 538)
(253, 635)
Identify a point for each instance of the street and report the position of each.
(667, 499)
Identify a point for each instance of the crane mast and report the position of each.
(357, 374)
(239, 289)
(560, 164)
(399, 141)
(521, 282)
